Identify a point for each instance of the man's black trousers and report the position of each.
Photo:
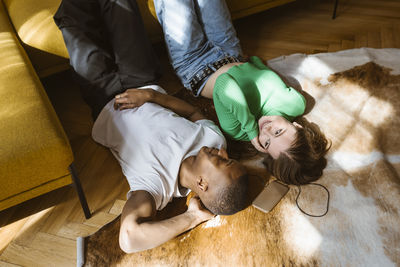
(108, 48)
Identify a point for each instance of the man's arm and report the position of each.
(133, 98)
(139, 232)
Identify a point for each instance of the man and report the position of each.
(166, 147)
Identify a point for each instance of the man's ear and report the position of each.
(201, 184)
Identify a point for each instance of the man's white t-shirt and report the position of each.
(150, 142)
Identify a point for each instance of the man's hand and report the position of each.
(133, 98)
(201, 214)
(256, 143)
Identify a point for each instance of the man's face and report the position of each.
(216, 169)
(276, 134)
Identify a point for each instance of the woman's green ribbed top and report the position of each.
(249, 91)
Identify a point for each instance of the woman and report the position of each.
(251, 101)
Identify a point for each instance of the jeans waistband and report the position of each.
(204, 73)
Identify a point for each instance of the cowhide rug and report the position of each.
(355, 99)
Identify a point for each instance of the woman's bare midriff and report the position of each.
(209, 87)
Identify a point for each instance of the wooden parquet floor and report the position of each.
(42, 231)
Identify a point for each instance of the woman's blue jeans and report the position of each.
(197, 33)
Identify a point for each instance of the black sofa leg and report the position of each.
(81, 195)
(334, 9)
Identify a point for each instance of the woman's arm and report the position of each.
(232, 108)
(139, 232)
(133, 98)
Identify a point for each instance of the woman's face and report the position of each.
(276, 134)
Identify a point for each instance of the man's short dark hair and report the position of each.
(231, 199)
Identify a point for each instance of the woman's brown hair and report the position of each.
(305, 160)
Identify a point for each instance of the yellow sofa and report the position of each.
(35, 154)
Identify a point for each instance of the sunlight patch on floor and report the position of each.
(376, 111)
(214, 222)
(315, 69)
(351, 161)
(18, 228)
(301, 237)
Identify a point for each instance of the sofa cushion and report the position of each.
(34, 149)
(33, 22)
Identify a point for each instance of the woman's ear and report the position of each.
(201, 184)
(297, 125)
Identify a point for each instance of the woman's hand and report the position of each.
(256, 143)
(133, 98)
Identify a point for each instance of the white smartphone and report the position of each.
(270, 196)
